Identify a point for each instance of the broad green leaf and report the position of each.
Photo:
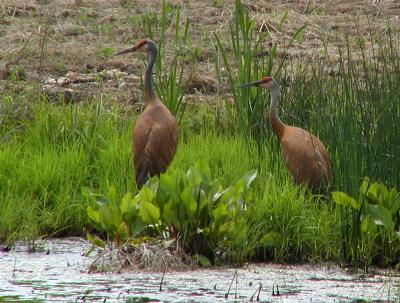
(194, 176)
(202, 260)
(146, 195)
(364, 186)
(204, 170)
(111, 194)
(137, 226)
(367, 224)
(169, 215)
(95, 241)
(168, 188)
(270, 239)
(127, 203)
(394, 199)
(188, 201)
(343, 199)
(220, 213)
(93, 214)
(249, 178)
(139, 240)
(149, 213)
(381, 216)
(373, 193)
(107, 219)
(123, 231)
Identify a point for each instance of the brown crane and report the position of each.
(155, 135)
(304, 155)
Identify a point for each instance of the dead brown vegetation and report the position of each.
(80, 35)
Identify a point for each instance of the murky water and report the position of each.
(60, 277)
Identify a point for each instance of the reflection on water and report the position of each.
(60, 277)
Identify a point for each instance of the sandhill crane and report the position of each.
(155, 135)
(304, 155)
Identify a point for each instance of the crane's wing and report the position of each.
(154, 147)
(305, 157)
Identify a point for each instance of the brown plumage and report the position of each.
(304, 155)
(155, 135)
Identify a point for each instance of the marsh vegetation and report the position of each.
(66, 168)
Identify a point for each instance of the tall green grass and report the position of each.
(351, 104)
(47, 158)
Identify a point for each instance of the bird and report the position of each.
(156, 132)
(304, 155)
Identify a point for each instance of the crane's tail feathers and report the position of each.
(141, 178)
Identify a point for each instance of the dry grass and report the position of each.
(151, 256)
(55, 37)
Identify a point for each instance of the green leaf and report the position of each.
(95, 241)
(202, 260)
(249, 177)
(364, 186)
(111, 194)
(381, 216)
(394, 201)
(194, 176)
(343, 199)
(367, 224)
(149, 213)
(169, 214)
(92, 214)
(137, 226)
(107, 219)
(220, 213)
(145, 195)
(128, 204)
(123, 231)
(188, 201)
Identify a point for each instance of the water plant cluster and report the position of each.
(66, 169)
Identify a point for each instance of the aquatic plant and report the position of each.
(120, 220)
(370, 223)
(196, 209)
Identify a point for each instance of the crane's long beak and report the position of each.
(128, 50)
(250, 84)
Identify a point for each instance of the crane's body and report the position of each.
(155, 134)
(304, 155)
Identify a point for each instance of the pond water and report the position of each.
(58, 274)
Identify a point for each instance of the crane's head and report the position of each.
(145, 45)
(265, 82)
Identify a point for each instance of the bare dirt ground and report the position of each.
(49, 39)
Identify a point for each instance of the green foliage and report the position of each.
(119, 220)
(372, 222)
(286, 226)
(197, 210)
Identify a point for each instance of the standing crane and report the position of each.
(304, 155)
(155, 135)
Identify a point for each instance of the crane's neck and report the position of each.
(274, 120)
(149, 93)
